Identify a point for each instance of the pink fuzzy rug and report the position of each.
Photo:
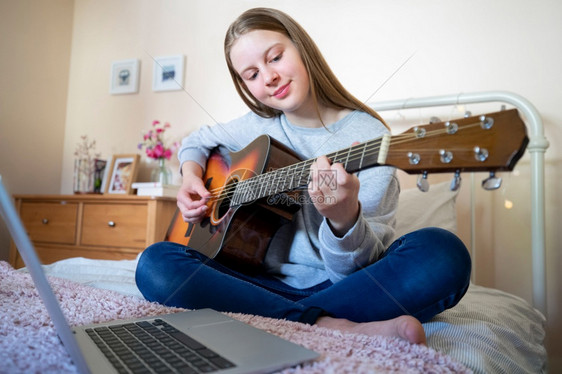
(28, 343)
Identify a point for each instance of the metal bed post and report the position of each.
(537, 147)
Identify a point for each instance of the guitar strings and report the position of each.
(348, 155)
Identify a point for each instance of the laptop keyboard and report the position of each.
(155, 347)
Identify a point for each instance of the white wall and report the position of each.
(35, 46)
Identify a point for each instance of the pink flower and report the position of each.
(153, 142)
(158, 150)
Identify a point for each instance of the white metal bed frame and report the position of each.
(537, 147)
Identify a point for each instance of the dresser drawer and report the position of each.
(50, 222)
(111, 227)
(114, 225)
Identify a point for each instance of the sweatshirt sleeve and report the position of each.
(370, 236)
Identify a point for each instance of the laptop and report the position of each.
(189, 342)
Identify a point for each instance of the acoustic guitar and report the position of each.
(257, 189)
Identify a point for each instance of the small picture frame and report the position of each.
(124, 77)
(167, 74)
(122, 174)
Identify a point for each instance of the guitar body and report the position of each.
(238, 235)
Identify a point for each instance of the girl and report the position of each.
(334, 264)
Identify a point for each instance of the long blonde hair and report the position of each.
(325, 88)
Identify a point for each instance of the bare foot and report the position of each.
(405, 327)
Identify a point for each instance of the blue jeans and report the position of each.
(420, 274)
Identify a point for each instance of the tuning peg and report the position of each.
(456, 182)
(419, 131)
(451, 127)
(481, 154)
(434, 119)
(445, 156)
(413, 158)
(492, 182)
(486, 122)
(422, 183)
(467, 114)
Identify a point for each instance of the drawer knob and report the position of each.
(111, 224)
(45, 221)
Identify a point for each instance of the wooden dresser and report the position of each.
(111, 227)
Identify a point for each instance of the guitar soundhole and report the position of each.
(225, 200)
(224, 206)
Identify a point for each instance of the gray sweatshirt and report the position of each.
(305, 252)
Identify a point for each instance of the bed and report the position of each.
(489, 331)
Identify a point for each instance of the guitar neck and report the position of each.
(297, 176)
(490, 142)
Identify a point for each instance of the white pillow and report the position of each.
(434, 208)
(500, 332)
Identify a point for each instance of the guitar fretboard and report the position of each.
(297, 176)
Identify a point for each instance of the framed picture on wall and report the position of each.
(122, 174)
(168, 73)
(124, 77)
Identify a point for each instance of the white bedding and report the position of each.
(489, 331)
(117, 276)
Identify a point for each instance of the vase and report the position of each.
(162, 174)
(88, 174)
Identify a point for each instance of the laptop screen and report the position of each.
(33, 264)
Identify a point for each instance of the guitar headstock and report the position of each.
(490, 142)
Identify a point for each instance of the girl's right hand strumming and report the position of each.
(193, 196)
